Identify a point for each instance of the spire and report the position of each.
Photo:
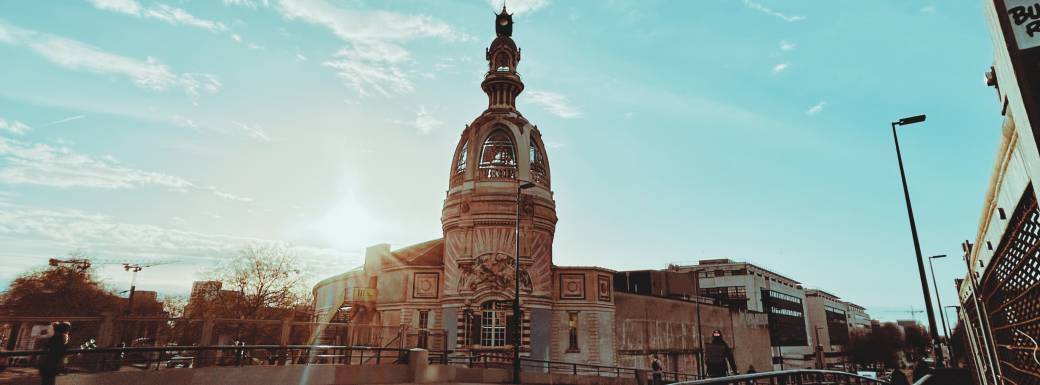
(502, 83)
(504, 23)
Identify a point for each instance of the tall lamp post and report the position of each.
(935, 285)
(917, 244)
(520, 187)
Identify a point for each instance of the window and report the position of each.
(572, 328)
(731, 296)
(537, 163)
(502, 62)
(492, 326)
(785, 297)
(460, 166)
(424, 332)
(497, 158)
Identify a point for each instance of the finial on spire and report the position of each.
(504, 22)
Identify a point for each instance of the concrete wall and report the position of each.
(669, 327)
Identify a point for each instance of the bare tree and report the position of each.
(262, 282)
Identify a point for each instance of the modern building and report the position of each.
(858, 318)
(999, 296)
(743, 285)
(829, 325)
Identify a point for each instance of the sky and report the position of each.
(179, 131)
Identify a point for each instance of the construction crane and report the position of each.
(135, 268)
(82, 264)
(913, 313)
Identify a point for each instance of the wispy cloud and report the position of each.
(14, 126)
(253, 131)
(762, 8)
(816, 109)
(98, 233)
(251, 4)
(129, 7)
(519, 6)
(928, 9)
(162, 12)
(233, 197)
(371, 62)
(786, 45)
(554, 103)
(148, 74)
(780, 68)
(41, 164)
(65, 120)
(424, 121)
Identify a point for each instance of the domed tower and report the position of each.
(497, 153)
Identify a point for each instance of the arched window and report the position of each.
(534, 155)
(497, 157)
(538, 174)
(502, 62)
(460, 166)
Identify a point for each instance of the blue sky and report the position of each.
(677, 131)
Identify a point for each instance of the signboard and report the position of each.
(1024, 18)
(360, 294)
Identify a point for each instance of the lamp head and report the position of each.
(910, 120)
(937, 256)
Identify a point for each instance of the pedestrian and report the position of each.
(921, 369)
(658, 369)
(54, 353)
(898, 378)
(717, 355)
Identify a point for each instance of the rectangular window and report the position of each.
(572, 328)
(424, 332)
(493, 328)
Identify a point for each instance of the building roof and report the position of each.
(704, 263)
(822, 293)
(429, 253)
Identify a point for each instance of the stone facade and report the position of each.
(462, 284)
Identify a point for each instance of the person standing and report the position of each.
(54, 348)
(658, 369)
(718, 357)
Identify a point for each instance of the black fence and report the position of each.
(790, 377)
(505, 361)
(158, 358)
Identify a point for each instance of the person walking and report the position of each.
(54, 348)
(718, 357)
(658, 369)
(921, 369)
(898, 377)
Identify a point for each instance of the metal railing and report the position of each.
(548, 366)
(785, 377)
(157, 358)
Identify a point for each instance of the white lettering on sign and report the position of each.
(1024, 17)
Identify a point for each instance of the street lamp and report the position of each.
(956, 310)
(935, 285)
(520, 187)
(917, 243)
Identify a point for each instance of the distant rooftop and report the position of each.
(726, 261)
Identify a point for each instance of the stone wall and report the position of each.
(673, 329)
